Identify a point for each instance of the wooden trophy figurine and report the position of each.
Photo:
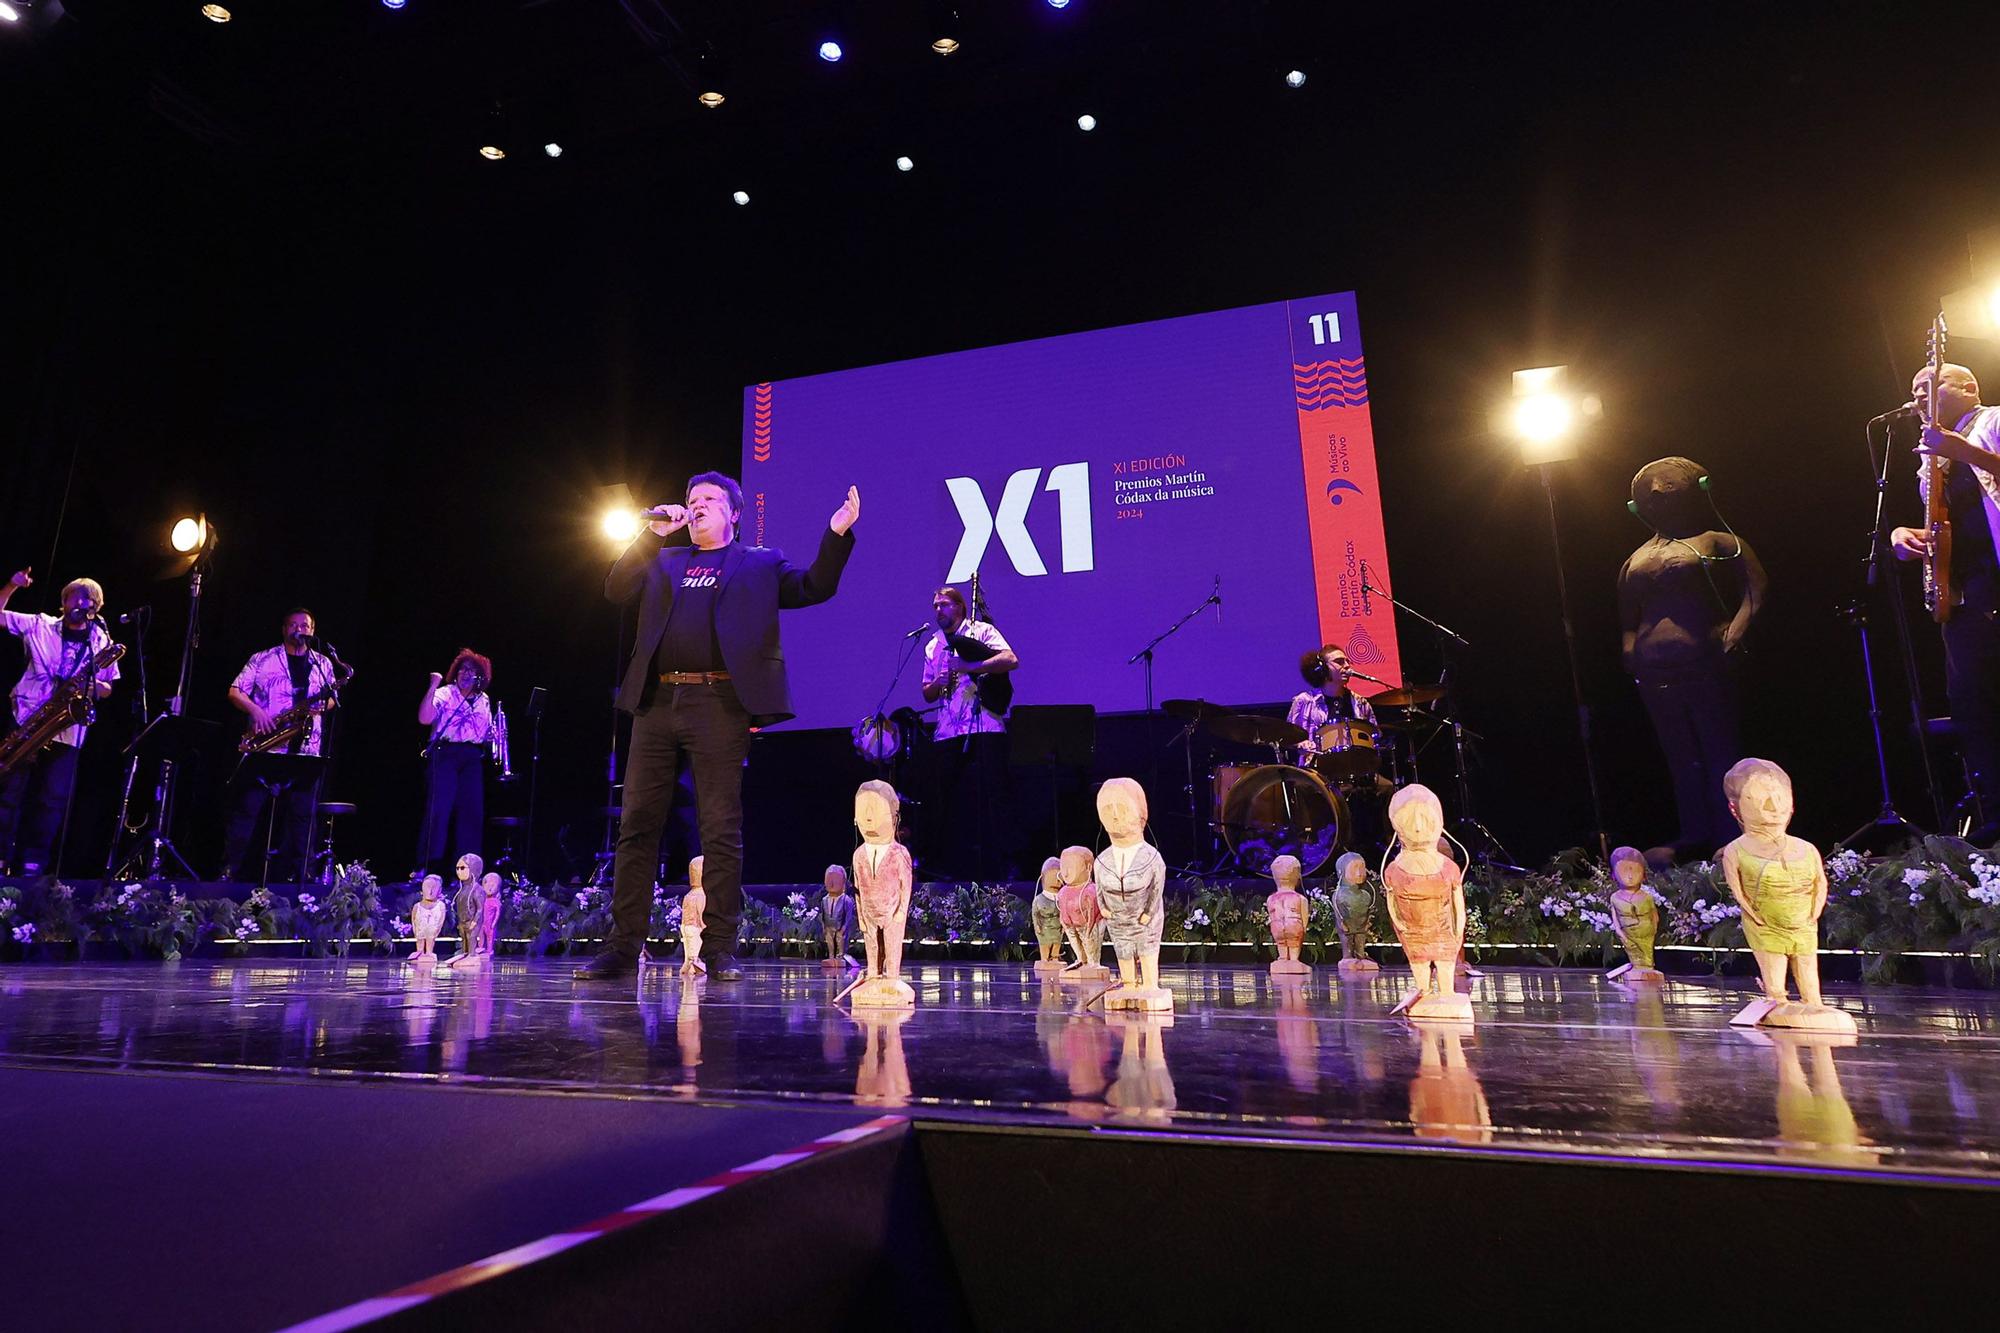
(1286, 910)
(469, 910)
(426, 920)
(694, 913)
(1780, 884)
(1131, 891)
(882, 882)
(837, 922)
(1353, 906)
(1426, 897)
(489, 916)
(1636, 919)
(1082, 917)
(1046, 914)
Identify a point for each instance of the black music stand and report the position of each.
(174, 741)
(1059, 737)
(278, 775)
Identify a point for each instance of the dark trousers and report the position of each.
(42, 787)
(970, 813)
(294, 812)
(455, 805)
(1694, 715)
(709, 726)
(1972, 682)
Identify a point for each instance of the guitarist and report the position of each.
(969, 768)
(57, 648)
(1967, 437)
(287, 676)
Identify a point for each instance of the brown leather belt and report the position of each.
(693, 677)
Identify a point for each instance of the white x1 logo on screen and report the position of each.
(1070, 482)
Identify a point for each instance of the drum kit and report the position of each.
(1296, 802)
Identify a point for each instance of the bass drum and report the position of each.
(1278, 810)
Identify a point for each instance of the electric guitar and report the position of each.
(1938, 592)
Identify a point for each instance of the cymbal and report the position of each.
(1405, 697)
(1249, 729)
(1192, 710)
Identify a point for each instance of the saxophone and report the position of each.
(72, 702)
(288, 724)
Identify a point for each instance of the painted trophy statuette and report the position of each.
(489, 915)
(1426, 897)
(1780, 884)
(469, 911)
(1082, 916)
(1046, 915)
(882, 883)
(694, 917)
(1286, 910)
(837, 921)
(427, 919)
(1131, 892)
(1635, 917)
(1353, 906)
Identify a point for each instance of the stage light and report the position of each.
(711, 99)
(946, 26)
(552, 149)
(1086, 122)
(619, 525)
(394, 4)
(1058, 4)
(492, 152)
(1295, 79)
(905, 164)
(1543, 415)
(215, 13)
(944, 46)
(188, 535)
(830, 51)
(741, 197)
(1544, 418)
(9, 14)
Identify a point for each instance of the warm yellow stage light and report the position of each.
(711, 99)
(1993, 305)
(1544, 417)
(215, 13)
(944, 46)
(492, 154)
(189, 534)
(620, 525)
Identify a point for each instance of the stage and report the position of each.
(376, 1089)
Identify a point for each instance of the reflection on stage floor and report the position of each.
(1558, 1061)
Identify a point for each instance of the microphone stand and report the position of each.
(1187, 735)
(1475, 834)
(1888, 824)
(1146, 653)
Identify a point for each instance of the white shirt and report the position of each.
(267, 681)
(959, 712)
(51, 660)
(1981, 426)
(460, 719)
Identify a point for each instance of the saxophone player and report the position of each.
(292, 677)
(465, 727)
(57, 648)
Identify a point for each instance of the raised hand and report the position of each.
(843, 517)
(23, 578)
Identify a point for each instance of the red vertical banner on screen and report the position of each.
(1342, 489)
(758, 449)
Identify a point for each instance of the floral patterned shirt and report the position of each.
(959, 713)
(267, 679)
(52, 659)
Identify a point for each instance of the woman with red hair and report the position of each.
(460, 716)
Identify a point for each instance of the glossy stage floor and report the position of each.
(1562, 1066)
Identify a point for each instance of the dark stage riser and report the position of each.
(946, 1226)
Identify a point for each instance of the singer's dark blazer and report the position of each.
(756, 582)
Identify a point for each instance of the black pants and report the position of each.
(294, 813)
(1694, 715)
(42, 786)
(970, 816)
(455, 806)
(708, 725)
(1972, 682)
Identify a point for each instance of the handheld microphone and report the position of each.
(1895, 414)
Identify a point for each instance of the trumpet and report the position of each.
(500, 755)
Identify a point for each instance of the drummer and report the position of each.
(1326, 670)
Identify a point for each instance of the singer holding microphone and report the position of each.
(461, 722)
(969, 747)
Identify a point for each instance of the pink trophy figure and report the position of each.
(882, 882)
(489, 915)
(1635, 917)
(469, 909)
(426, 920)
(1426, 897)
(837, 921)
(1286, 910)
(1082, 917)
(1131, 890)
(694, 909)
(1046, 914)
(1780, 884)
